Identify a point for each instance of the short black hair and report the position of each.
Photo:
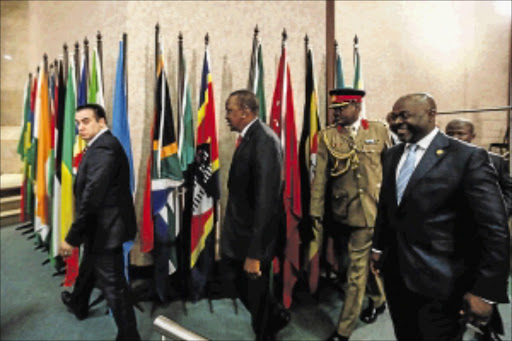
(464, 122)
(247, 98)
(99, 111)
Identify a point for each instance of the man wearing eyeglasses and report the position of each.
(348, 158)
(441, 237)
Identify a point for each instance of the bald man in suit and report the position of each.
(441, 236)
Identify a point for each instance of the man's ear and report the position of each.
(432, 114)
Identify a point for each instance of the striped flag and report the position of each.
(307, 156)
(206, 190)
(186, 152)
(32, 152)
(256, 77)
(67, 198)
(54, 98)
(283, 110)
(82, 97)
(186, 125)
(23, 148)
(166, 177)
(95, 89)
(358, 74)
(58, 142)
(339, 81)
(43, 138)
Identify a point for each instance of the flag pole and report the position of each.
(157, 45)
(356, 46)
(66, 62)
(306, 46)
(45, 59)
(77, 67)
(86, 66)
(99, 44)
(125, 55)
(181, 80)
(254, 58)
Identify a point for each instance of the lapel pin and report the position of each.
(439, 152)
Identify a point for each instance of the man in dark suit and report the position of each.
(104, 220)
(441, 237)
(464, 130)
(254, 213)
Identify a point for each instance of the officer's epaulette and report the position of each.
(384, 123)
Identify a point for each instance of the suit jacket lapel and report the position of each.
(395, 158)
(247, 138)
(433, 154)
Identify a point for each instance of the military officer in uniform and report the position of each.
(349, 159)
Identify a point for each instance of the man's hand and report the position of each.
(317, 223)
(252, 268)
(374, 260)
(479, 311)
(65, 249)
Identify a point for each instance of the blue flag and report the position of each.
(120, 125)
(121, 130)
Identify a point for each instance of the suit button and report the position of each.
(361, 191)
(358, 176)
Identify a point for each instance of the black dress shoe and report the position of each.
(337, 337)
(279, 321)
(370, 314)
(67, 299)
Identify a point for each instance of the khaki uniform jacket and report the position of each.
(355, 169)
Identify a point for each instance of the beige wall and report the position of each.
(459, 51)
(14, 74)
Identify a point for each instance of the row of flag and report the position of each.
(182, 188)
(51, 149)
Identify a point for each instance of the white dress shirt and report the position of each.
(96, 137)
(422, 144)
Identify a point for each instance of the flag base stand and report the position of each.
(27, 231)
(59, 273)
(23, 225)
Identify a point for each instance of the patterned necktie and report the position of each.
(405, 172)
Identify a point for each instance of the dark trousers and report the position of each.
(106, 271)
(418, 317)
(254, 294)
